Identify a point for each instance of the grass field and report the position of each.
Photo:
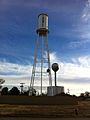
(28, 118)
(46, 111)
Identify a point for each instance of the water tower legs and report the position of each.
(44, 53)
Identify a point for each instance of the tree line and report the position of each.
(12, 91)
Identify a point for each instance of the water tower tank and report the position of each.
(43, 21)
(42, 24)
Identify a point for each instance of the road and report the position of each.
(28, 118)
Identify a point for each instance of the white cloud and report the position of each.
(54, 58)
(77, 88)
(84, 61)
(15, 73)
(76, 72)
(6, 67)
(78, 68)
(86, 11)
(74, 75)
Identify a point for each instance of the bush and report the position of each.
(14, 91)
(4, 91)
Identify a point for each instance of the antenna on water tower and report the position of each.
(42, 56)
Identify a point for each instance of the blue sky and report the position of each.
(69, 40)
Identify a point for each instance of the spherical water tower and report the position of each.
(42, 54)
(55, 68)
(54, 90)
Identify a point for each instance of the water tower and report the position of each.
(41, 70)
(55, 90)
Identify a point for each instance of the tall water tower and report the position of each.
(41, 67)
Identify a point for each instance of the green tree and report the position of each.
(14, 91)
(4, 91)
(87, 94)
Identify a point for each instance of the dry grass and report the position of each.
(84, 108)
(46, 111)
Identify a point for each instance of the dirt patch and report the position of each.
(44, 100)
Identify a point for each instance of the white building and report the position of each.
(51, 91)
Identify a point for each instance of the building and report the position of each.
(54, 90)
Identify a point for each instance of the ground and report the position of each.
(27, 118)
(46, 111)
